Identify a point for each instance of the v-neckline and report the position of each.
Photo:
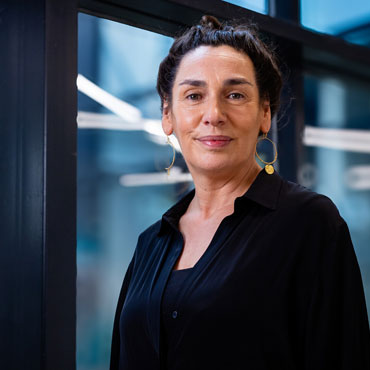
(202, 260)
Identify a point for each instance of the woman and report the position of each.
(247, 271)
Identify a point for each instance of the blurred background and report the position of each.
(123, 188)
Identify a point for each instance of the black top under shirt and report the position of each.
(278, 288)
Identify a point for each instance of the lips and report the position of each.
(215, 141)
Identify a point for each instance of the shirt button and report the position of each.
(174, 314)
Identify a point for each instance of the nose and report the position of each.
(214, 114)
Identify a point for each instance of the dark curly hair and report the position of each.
(241, 37)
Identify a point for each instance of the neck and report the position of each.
(215, 194)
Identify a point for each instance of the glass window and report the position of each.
(347, 19)
(336, 156)
(259, 6)
(122, 153)
(122, 185)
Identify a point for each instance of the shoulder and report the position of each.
(311, 224)
(298, 197)
(309, 207)
(148, 245)
(150, 232)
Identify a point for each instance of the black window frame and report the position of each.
(38, 142)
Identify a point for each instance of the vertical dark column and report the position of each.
(287, 10)
(38, 39)
(291, 118)
(60, 184)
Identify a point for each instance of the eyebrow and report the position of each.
(237, 81)
(193, 83)
(228, 82)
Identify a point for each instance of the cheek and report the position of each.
(248, 125)
(185, 123)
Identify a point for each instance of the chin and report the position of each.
(212, 167)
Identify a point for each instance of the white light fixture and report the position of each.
(358, 177)
(86, 120)
(342, 139)
(129, 117)
(124, 110)
(160, 178)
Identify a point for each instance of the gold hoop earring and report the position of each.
(173, 157)
(268, 165)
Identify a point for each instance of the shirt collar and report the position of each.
(264, 191)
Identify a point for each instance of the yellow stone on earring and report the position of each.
(268, 165)
(269, 169)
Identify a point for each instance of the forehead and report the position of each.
(209, 61)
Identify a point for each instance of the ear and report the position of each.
(167, 119)
(265, 117)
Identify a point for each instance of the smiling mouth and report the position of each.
(215, 141)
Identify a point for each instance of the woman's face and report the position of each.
(216, 113)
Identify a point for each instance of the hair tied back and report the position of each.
(210, 22)
(242, 37)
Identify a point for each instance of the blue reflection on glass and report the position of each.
(259, 6)
(347, 19)
(123, 61)
(336, 157)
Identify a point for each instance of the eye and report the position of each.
(236, 96)
(193, 96)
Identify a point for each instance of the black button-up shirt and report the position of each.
(278, 287)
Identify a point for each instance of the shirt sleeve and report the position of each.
(114, 359)
(337, 328)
